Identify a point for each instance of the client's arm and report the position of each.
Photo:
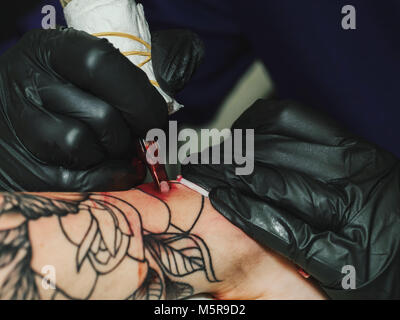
(133, 245)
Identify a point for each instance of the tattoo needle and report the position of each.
(157, 170)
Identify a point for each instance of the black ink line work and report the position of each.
(169, 257)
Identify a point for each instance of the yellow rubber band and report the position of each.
(144, 62)
(131, 53)
(136, 53)
(123, 35)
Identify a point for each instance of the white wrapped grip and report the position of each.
(96, 16)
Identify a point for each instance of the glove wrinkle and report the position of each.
(319, 196)
(176, 55)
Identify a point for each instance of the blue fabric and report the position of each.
(32, 20)
(352, 74)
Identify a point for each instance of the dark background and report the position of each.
(351, 74)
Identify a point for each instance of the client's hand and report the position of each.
(324, 198)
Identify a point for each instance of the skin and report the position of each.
(236, 267)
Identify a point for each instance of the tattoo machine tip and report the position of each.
(157, 170)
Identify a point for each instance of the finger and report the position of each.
(270, 225)
(323, 162)
(202, 170)
(104, 120)
(176, 55)
(95, 66)
(54, 139)
(109, 176)
(291, 119)
(294, 137)
(34, 176)
(317, 203)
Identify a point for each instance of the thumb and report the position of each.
(109, 176)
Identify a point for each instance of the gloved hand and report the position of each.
(71, 106)
(319, 195)
(176, 55)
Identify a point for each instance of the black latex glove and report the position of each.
(71, 107)
(175, 54)
(319, 195)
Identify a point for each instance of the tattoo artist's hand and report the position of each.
(319, 195)
(71, 106)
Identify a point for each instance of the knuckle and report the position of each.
(66, 180)
(104, 113)
(74, 139)
(98, 54)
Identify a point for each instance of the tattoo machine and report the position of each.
(157, 170)
(123, 23)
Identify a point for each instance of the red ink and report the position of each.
(108, 197)
(153, 190)
(302, 272)
(142, 271)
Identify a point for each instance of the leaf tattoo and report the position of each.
(154, 286)
(177, 290)
(151, 289)
(181, 254)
